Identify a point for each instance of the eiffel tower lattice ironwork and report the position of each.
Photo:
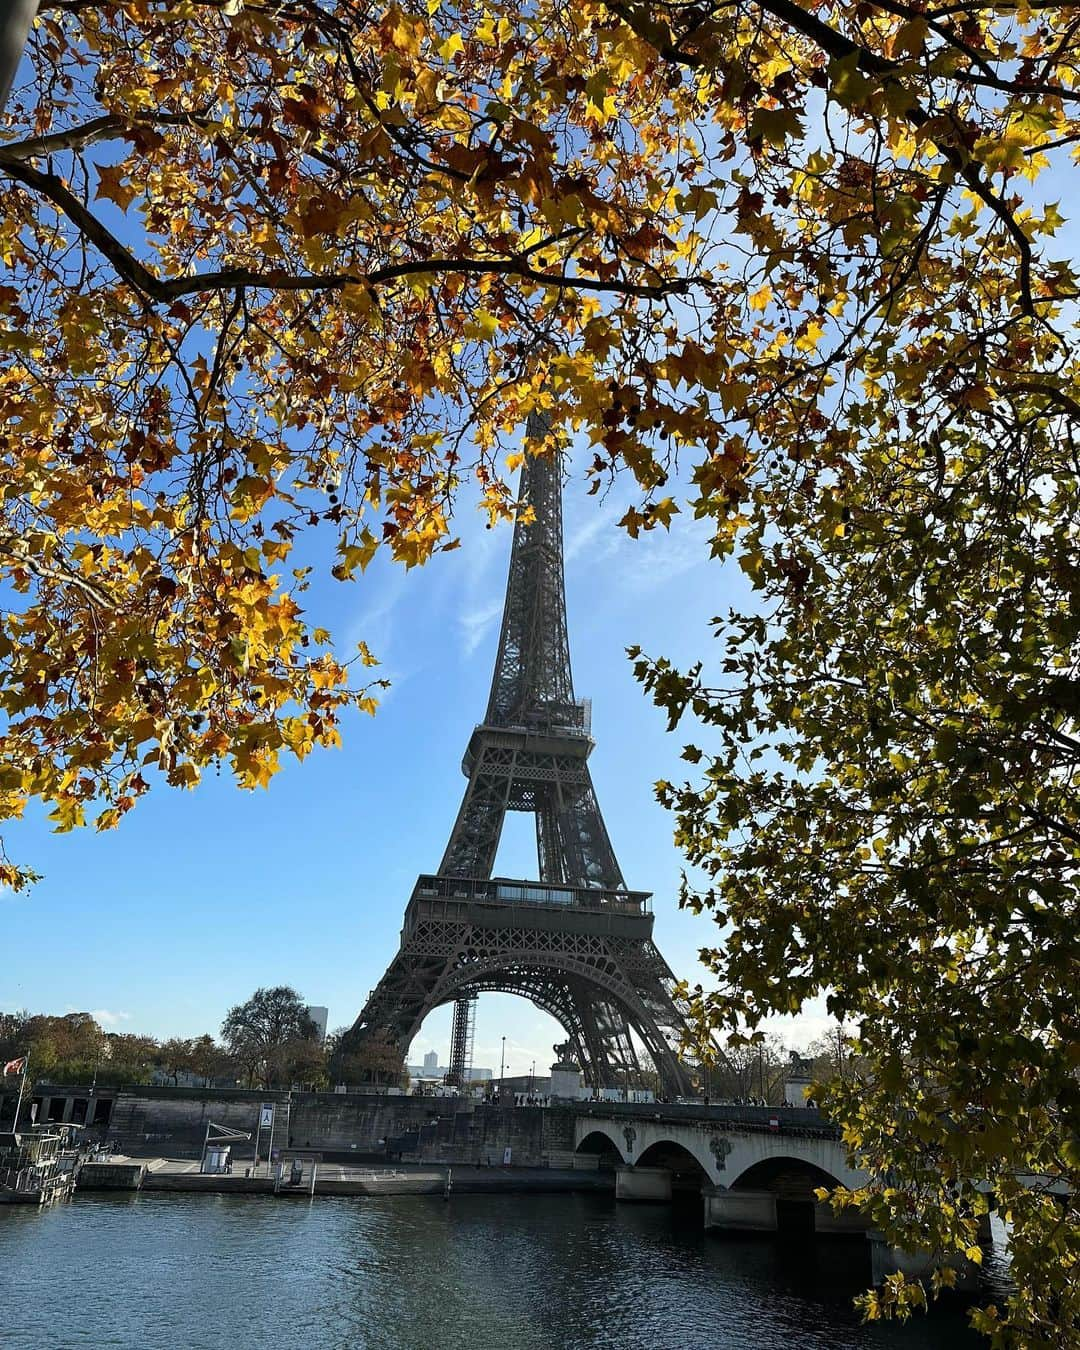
(577, 942)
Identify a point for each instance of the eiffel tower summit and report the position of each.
(576, 941)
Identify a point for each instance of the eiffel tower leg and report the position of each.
(594, 1060)
(475, 837)
(548, 846)
(610, 1044)
(584, 842)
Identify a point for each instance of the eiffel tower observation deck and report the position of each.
(576, 941)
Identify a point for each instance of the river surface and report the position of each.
(482, 1272)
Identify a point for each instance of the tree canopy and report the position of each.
(277, 267)
(291, 270)
(75, 1048)
(888, 817)
(377, 1060)
(272, 1037)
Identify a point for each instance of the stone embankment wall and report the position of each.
(173, 1121)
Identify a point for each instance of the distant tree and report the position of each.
(263, 1033)
(130, 1058)
(834, 1054)
(174, 1057)
(14, 1034)
(70, 1048)
(376, 1060)
(67, 1048)
(753, 1069)
(304, 1061)
(208, 1060)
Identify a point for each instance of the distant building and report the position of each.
(431, 1071)
(319, 1016)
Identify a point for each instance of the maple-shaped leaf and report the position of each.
(112, 185)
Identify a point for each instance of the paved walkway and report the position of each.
(182, 1174)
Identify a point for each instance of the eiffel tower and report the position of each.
(577, 942)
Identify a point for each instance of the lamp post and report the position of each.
(502, 1069)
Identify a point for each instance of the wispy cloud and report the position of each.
(481, 564)
(105, 1017)
(475, 624)
(654, 561)
(375, 622)
(581, 538)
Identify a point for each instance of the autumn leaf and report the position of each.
(113, 187)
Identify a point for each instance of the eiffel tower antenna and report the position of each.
(576, 941)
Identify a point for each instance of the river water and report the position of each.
(481, 1272)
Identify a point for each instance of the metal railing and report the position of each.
(803, 1121)
(508, 891)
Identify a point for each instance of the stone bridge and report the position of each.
(757, 1168)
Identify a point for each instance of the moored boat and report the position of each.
(36, 1165)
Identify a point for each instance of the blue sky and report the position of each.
(160, 926)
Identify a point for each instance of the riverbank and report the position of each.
(182, 1175)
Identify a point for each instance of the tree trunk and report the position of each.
(16, 18)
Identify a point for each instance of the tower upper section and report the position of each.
(532, 686)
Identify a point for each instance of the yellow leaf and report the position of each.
(451, 47)
(810, 339)
(111, 186)
(759, 300)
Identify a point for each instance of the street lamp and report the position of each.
(502, 1070)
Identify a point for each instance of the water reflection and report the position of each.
(412, 1273)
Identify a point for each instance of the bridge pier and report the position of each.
(643, 1183)
(887, 1260)
(740, 1211)
(830, 1224)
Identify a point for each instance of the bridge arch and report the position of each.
(599, 1144)
(785, 1174)
(688, 1173)
(732, 1155)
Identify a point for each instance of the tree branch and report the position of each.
(839, 47)
(18, 551)
(37, 147)
(140, 278)
(1058, 396)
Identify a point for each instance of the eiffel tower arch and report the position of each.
(576, 941)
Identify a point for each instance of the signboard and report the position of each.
(506, 1157)
(266, 1116)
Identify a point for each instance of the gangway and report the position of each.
(215, 1151)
